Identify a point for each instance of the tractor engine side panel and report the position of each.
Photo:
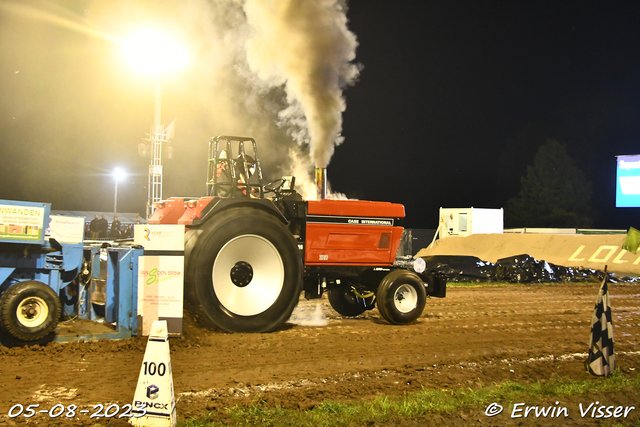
(352, 232)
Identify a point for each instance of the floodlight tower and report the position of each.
(153, 53)
(155, 168)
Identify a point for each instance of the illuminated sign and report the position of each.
(628, 182)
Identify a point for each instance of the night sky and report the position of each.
(452, 102)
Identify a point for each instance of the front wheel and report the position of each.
(401, 297)
(29, 310)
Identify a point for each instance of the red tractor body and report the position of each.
(352, 232)
(247, 256)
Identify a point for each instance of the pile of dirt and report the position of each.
(569, 250)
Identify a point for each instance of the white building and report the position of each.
(466, 221)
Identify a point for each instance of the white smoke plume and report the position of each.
(302, 169)
(232, 99)
(275, 70)
(306, 47)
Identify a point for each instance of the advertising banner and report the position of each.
(22, 221)
(628, 182)
(160, 291)
(155, 237)
(66, 229)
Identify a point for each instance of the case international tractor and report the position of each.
(251, 248)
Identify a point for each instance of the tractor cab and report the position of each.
(238, 174)
(234, 174)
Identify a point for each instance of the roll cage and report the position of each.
(240, 173)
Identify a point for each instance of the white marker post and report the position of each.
(154, 393)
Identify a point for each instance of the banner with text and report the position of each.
(159, 237)
(22, 222)
(160, 291)
(66, 229)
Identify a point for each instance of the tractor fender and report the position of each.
(218, 205)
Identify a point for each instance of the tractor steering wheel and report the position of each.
(274, 186)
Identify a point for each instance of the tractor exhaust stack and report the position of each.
(321, 183)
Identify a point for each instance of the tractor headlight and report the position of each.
(419, 265)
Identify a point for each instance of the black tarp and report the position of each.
(457, 268)
(515, 269)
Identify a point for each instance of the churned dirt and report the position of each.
(475, 337)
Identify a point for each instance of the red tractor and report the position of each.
(251, 248)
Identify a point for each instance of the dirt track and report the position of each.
(475, 336)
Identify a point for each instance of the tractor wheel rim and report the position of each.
(265, 284)
(405, 298)
(32, 312)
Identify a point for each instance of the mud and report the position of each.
(476, 336)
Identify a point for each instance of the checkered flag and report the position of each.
(601, 360)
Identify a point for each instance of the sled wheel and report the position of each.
(401, 297)
(346, 303)
(248, 274)
(29, 310)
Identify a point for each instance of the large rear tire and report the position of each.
(190, 240)
(401, 297)
(29, 310)
(346, 303)
(248, 272)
